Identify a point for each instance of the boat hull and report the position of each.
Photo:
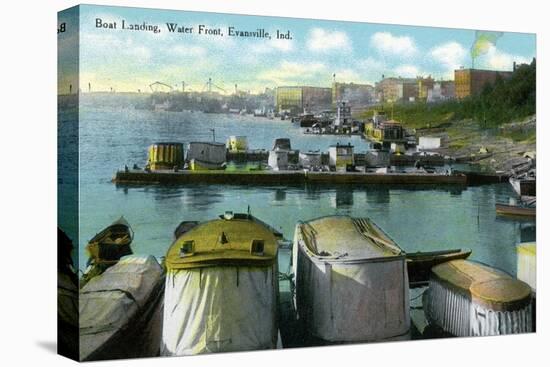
(197, 165)
(513, 210)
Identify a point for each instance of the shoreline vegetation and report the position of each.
(500, 121)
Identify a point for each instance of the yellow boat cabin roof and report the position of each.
(483, 284)
(234, 239)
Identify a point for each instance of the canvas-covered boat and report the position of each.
(121, 311)
(107, 247)
(466, 298)
(351, 280)
(221, 288)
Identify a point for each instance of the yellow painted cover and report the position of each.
(223, 241)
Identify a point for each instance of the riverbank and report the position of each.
(493, 149)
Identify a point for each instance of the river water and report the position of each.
(417, 218)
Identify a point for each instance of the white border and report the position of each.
(28, 122)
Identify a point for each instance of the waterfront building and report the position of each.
(358, 96)
(429, 142)
(424, 85)
(442, 90)
(296, 99)
(402, 89)
(470, 82)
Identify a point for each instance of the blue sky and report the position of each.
(355, 52)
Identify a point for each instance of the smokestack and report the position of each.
(482, 43)
(514, 66)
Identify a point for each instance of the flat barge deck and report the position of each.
(283, 177)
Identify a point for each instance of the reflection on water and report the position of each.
(419, 218)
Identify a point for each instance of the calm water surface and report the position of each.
(418, 219)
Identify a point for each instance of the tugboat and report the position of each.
(381, 130)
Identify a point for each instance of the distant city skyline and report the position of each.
(321, 51)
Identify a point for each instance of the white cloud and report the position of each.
(97, 45)
(288, 72)
(387, 43)
(407, 71)
(188, 51)
(451, 54)
(275, 45)
(321, 40)
(496, 59)
(371, 64)
(347, 75)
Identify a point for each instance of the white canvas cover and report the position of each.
(208, 152)
(355, 295)
(220, 309)
(458, 315)
(310, 159)
(278, 159)
(429, 142)
(466, 298)
(121, 310)
(377, 158)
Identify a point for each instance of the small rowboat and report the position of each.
(516, 210)
(419, 264)
(107, 247)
